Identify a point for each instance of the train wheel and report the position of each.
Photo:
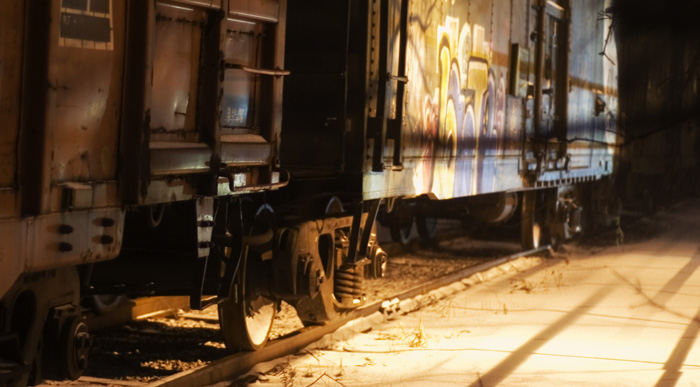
(246, 324)
(75, 344)
(380, 261)
(530, 229)
(401, 233)
(105, 303)
(400, 226)
(426, 227)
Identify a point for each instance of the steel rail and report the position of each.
(138, 309)
(234, 365)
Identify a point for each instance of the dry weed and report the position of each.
(523, 285)
(417, 338)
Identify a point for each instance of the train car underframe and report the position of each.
(257, 258)
(545, 216)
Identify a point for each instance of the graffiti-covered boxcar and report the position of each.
(480, 100)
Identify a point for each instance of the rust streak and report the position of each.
(501, 59)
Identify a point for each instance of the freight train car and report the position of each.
(158, 133)
(117, 116)
(496, 105)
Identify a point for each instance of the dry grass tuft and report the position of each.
(417, 338)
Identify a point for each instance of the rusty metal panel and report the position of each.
(179, 158)
(86, 78)
(246, 150)
(253, 53)
(85, 74)
(58, 240)
(77, 196)
(250, 107)
(168, 190)
(72, 238)
(71, 97)
(215, 4)
(177, 50)
(11, 40)
(11, 253)
(216, 85)
(8, 197)
(268, 10)
(241, 47)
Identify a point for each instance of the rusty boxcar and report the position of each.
(111, 107)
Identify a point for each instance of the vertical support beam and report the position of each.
(529, 228)
(563, 81)
(355, 232)
(378, 124)
(134, 164)
(372, 207)
(358, 243)
(394, 126)
(32, 168)
(232, 220)
(541, 7)
(343, 85)
(210, 70)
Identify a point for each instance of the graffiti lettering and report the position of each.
(462, 119)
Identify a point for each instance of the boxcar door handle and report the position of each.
(253, 70)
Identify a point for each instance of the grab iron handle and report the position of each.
(253, 70)
(398, 78)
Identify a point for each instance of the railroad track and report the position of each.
(137, 309)
(230, 367)
(151, 307)
(221, 367)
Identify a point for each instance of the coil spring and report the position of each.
(348, 283)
